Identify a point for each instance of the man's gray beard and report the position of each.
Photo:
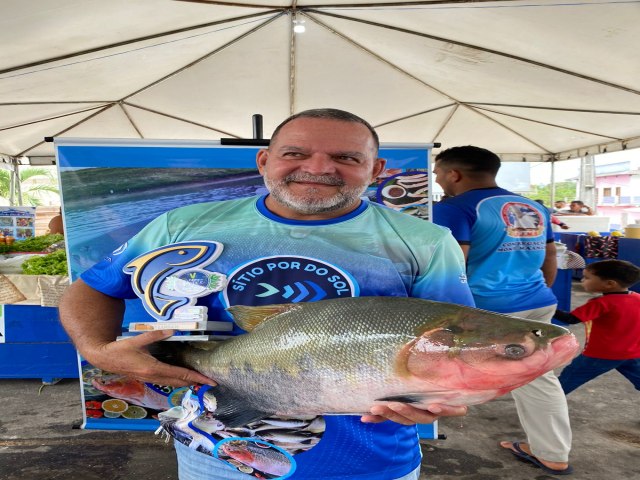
(309, 205)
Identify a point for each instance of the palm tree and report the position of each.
(30, 187)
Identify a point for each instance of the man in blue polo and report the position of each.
(511, 264)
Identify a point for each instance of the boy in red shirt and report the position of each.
(613, 335)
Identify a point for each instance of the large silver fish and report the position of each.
(342, 356)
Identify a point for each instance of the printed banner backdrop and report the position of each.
(2, 329)
(112, 189)
(18, 222)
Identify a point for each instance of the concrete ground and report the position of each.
(38, 441)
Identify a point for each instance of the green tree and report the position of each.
(564, 191)
(33, 181)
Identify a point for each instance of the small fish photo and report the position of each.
(122, 396)
(22, 233)
(24, 222)
(6, 221)
(254, 458)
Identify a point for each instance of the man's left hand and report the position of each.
(406, 414)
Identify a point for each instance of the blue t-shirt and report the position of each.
(372, 251)
(507, 234)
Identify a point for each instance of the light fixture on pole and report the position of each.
(298, 25)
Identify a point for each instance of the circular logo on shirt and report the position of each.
(287, 279)
(522, 220)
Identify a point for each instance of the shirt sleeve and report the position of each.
(445, 278)
(455, 219)
(590, 310)
(548, 226)
(108, 276)
(566, 317)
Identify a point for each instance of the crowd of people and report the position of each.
(576, 207)
(316, 168)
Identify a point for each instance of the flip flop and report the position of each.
(524, 456)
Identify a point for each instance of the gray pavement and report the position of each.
(38, 439)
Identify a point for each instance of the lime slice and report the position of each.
(108, 414)
(114, 405)
(134, 412)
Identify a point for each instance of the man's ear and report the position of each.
(378, 168)
(455, 175)
(261, 159)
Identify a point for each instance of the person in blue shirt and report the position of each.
(511, 264)
(313, 227)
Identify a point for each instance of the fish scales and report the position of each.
(296, 357)
(340, 356)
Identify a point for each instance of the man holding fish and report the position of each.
(311, 238)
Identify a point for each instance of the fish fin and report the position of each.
(248, 318)
(173, 352)
(405, 398)
(233, 410)
(206, 346)
(166, 352)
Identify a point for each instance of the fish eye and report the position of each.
(537, 333)
(454, 329)
(514, 350)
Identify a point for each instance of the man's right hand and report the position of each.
(93, 321)
(131, 357)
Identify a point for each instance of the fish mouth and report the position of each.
(564, 349)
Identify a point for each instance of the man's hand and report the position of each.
(409, 415)
(131, 357)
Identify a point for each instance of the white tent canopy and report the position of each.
(531, 80)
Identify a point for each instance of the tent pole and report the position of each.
(14, 183)
(553, 184)
(18, 185)
(587, 192)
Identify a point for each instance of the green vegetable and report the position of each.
(52, 264)
(35, 244)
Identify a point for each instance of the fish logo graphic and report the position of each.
(171, 276)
